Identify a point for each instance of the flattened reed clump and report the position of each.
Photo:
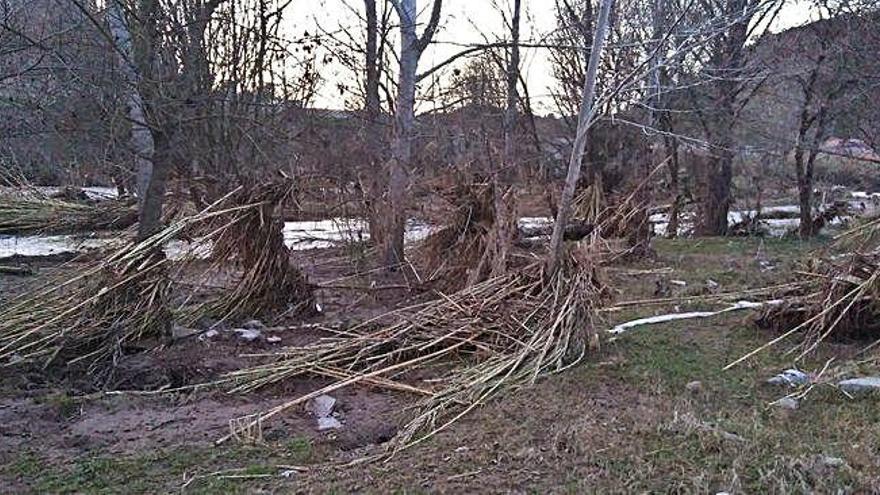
(503, 332)
(106, 309)
(122, 303)
(31, 214)
(836, 296)
(249, 240)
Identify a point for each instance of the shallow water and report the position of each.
(298, 236)
(320, 234)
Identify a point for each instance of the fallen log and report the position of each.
(574, 231)
(16, 270)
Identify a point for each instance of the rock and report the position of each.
(322, 406)
(694, 387)
(247, 334)
(273, 339)
(787, 403)
(253, 325)
(832, 462)
(791, 377)
(287, 473)
(865, 385)
(328, 423)
(210, 334)
(712, 287)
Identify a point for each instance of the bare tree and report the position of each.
(411, 48)
(826, 79)
(731, 83)
(580, 143)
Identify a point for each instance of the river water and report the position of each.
(318, 234)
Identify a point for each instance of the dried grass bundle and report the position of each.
(122, 302)
(249, 240)
(457, 254)
(37, 214)
(836, 296)
(621, 217)
(500, 333)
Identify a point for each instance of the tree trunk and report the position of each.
(510, 113)
(371, 183)
(726, 68)
(671, 145)
(150, 214)
(401, 147)
(411, 48)
(141, 142)
(805, 200)
(505, 193)
(580, 143)
(716, 202)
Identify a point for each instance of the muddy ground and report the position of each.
(629, 419)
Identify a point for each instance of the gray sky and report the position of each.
(465, 21)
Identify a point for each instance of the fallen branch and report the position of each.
(619, 329)
(16, 270)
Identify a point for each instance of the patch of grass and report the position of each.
(96, 475)
(726, 437)
(27, 465)
(66, 406)
(153, 472)
(299, 449)
(738, 246)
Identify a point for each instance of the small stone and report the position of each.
(694, 386)
(210, 334)
(287, 473)
(787, 403)
(253, 325)
(273, 339)
(791, 377)
(832, 462)
(328, 423)
(860, 385)
(247, 334)
(322, 406)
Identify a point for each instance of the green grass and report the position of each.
(689, 452)
(152, 472)
(737, 246)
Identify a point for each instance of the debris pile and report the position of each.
(487, 337)
(122, 303)
(32, 213)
